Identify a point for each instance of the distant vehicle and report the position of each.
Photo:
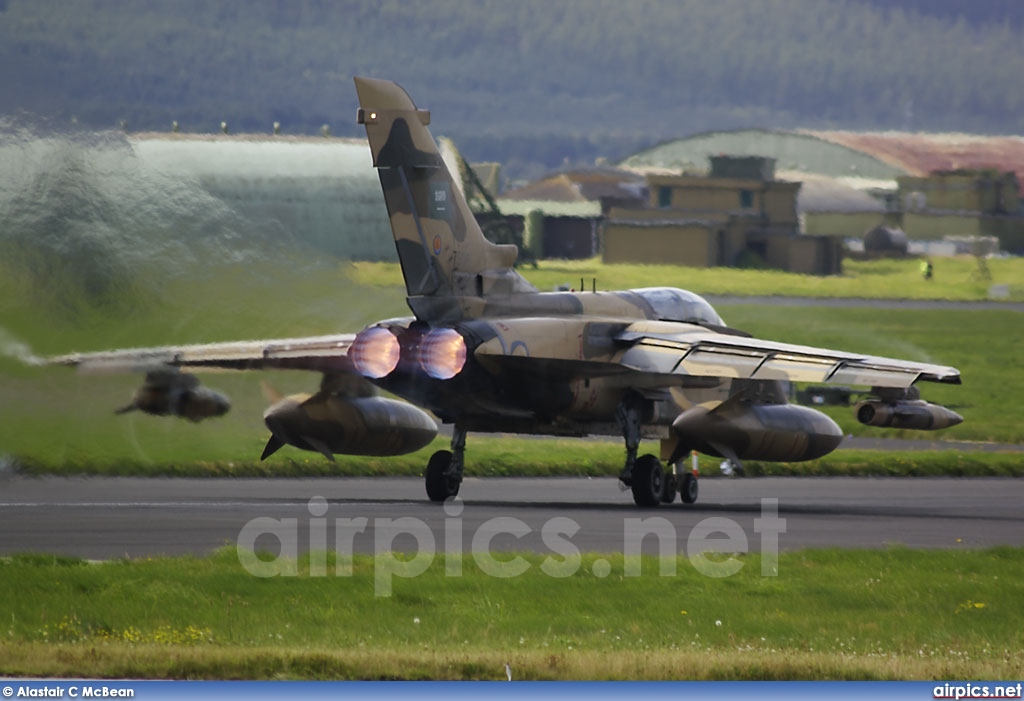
(486, 352)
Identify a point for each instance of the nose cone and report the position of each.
(283, 418)
(288, 406)
(824, 437)
(204, 403)
(220, 404)
(692, 423)
(947, 418)
(286, 415)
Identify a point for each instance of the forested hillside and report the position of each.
(529, 82)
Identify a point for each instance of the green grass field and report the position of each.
(503, 456)
(893, 614)
(955, 278)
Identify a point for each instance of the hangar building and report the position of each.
(854, 181)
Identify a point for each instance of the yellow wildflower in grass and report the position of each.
(169, 635)
(68, 630)
(970, 606)
(131, 634)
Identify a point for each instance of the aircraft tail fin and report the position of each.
(441, 248)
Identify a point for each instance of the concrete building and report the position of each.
(963, 203)
(737, 215)
(561, 215)
(841, 169)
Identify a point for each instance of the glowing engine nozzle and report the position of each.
(375, 352)
(443, 353)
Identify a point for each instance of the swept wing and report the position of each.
(656, 348)
(323, 353)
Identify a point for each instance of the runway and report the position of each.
(102, 518)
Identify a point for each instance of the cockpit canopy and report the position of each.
(673, 304)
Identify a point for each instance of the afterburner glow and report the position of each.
(375, 352)
(443, 353)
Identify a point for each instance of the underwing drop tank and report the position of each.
(330, 424)
(774, 432)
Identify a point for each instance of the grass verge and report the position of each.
(955, 278)
(518, 457)
(828, 614)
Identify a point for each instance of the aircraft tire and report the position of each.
(668, 494)
(440, 485)
(648, 481)
(689, 488)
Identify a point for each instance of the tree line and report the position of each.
(530, 82)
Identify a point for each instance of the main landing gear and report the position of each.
(444, 469)
(645, 475)
(652, 485)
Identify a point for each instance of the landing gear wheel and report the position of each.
(648, 482)
(688, 489)
(441, 484)
(668, 494)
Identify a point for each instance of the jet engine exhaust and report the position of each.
(443, 353)
(375, 352)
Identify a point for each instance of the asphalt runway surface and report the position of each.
(99, 518)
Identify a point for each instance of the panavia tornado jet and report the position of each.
(487, 352)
